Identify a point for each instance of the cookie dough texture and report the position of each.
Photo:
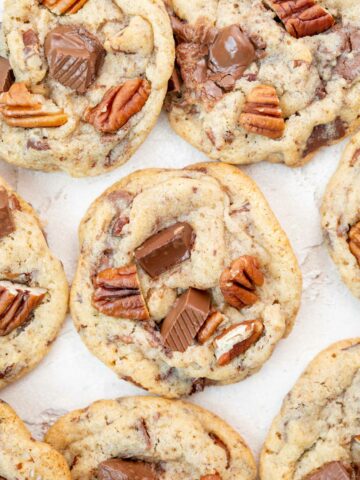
(230, 217)
(23, 458)
(25, 258)
(136, 35)
(318, 418)
(177, 436)
(317, 79)
(340, 211)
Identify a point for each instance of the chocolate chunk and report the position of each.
(348, 65)
(186, 318)
(117, 469)
(38, 145)
(324, 134)
(232, 52)
(31, 43)
(165, 249)
(7, 225)
(75, 56)
(331, 471)
(6, 75)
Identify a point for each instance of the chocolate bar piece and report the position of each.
(7, 225)
(118, 469)
(6, 75)
(331, 471)
(165, 249)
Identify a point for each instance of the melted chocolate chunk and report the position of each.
(6, 75)
(348, 65)
(7, 225)
(75, 56)
(324, 134)
(38, 145)
(331, 471)
(165, 249)
(186, 318)
(117, 469)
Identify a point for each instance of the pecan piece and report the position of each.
(61, 7)
(238, 282)
(355, 449)
(354, 241)
(118, 294)
(210, 326)
(20, 108)
(213, 476)
(302, 18)
(236, 339)
(119, 105)
(17, 302)
(262, 113)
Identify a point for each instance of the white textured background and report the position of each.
(70, 377)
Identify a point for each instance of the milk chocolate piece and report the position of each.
(324, 134)
(331, 471)
(6, 75)
(75, 56)
(165, 249)
(186, 318)
(117, 469)
(7, 225)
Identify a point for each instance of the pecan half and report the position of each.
(210, 326)
(238, 282)
(62, 7)
(354, 241)
(302, 17)
(118, 294)
(262, 113)
(17, 302)
(119, 105)
(20, 108)
(236, 339)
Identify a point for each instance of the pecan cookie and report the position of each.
(183, 279)
(150, 438)
(23, 458)
(316, 435)
(267, 80)
(341, 216)
(33, 289)
(84, 81)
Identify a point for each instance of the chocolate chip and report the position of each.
(6, 75)
(7, 225)
(166, 249)
(38, 145)
(324, 134)
(186, 318)
(31, 43)
(331, 471)
(117, 469)
(348, 65)
(75, 56)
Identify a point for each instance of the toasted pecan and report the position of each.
(62, 7)
(354, 241)
(210, 326)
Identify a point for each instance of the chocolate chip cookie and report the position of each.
(33, 289)
(316, 435)
(185, 279)
(23, 458)
(267, 80)
(150, 438)
(82, 82)
(341, 216)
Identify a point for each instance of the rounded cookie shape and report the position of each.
(184, 279)
(22, 457)
(33, 289)
(96, 74)
(175, 439)
(265, 79)
(318, 427)
(341, 216)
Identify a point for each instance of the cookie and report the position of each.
(265, 79)
(316, 435)
(153, 437)
(185, 279)
(85, 83)
(33, 289)
(22, 457)
(341, 216)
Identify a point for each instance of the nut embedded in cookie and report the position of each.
(7, 225)
(6, 75)
(210, 326)
(354, 241)
(61, 7)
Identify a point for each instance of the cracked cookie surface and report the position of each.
(103, 66)
(226, 49)
(23, 458)
(341, 216)
(177, 439)
(33, 289)
(319, 419)
(206, 297)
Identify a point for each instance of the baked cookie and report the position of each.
(90, 79)
(341, 216)
(33, 289)
(150, 438)
(316, 435)
(267, 80)
(23, 458)
(185, 279)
